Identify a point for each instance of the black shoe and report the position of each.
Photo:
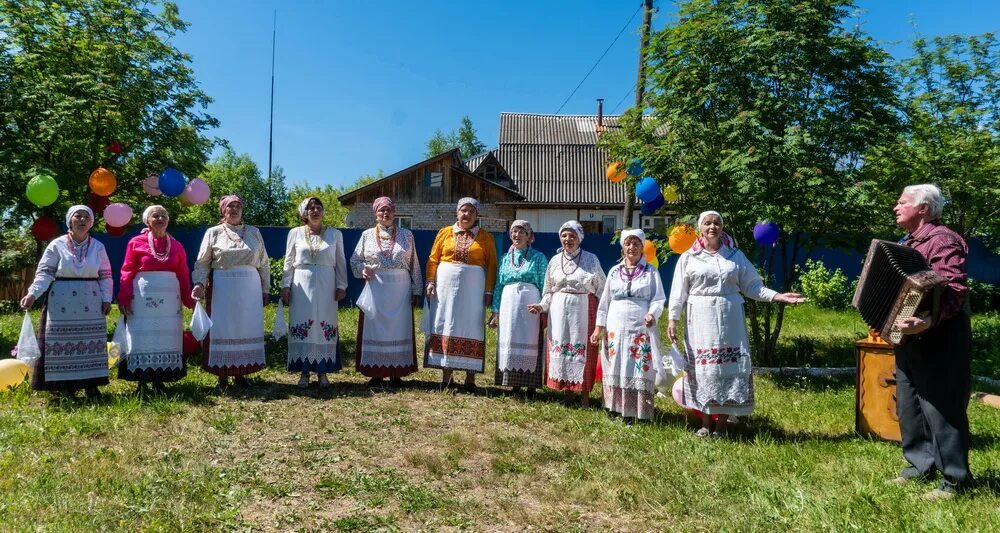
(159, 387)
(93, 393)
(223, 384)
(611, 414)
(240, 381)
(396, 382)
(375, 382)
(470, 387)
(529, 393)
(629, 421)
(515, 390)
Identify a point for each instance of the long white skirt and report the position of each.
(629, 378)
(312, 320)
(457, 319)
(385, 342)
(519, 357)
(572, 359)
(155, 328)
(236, 341)
(718, 378)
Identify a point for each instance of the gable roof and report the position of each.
(455, 156)
(554, 159)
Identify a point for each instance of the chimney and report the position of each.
(600, 115)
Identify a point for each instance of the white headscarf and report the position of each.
(304, 204)
(699, 244)
(73, 210)
(149, 211)
(573, 225)
(704, 214)
(626, 233)
(468, 200)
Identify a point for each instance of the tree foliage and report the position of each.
(78, 75)
(950, 104)
(763, 110)
(264, 199)
(465, 139)
(335, 214)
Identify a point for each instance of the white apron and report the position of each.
(388, 337)
(156, 326)
(457, 319)
(517, 335)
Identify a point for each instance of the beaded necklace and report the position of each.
(524, 258)
(574, 260)
(629, 277)
(79, 250)
(313, 244)
(152, 248)
(234, 235)
(385, 253)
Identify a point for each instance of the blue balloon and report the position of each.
(766, 233)
(648, 208)
(647, 189)
(635, 167)
(172, 182)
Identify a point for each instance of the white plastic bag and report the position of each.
(664, 380)
(27, 344)
(122, 338)
(280, 328)
(366, 302)
(425, 317)
(200, 322)
(676, 360)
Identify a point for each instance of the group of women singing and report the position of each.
(562, 323)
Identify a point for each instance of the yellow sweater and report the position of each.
(482, 252)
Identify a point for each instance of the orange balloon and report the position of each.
(682, 238)
(649, 250)
(616, 172)
(103, 182)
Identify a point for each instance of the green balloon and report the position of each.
(42, 190)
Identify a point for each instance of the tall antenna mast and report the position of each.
(270, 134)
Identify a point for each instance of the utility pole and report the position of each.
(640, 91)
(270, 133)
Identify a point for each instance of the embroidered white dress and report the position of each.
(385, 342)
(74, 329)
(629, 376)
(233, 264)
(570, 297)
(314, 269)
(707, 290)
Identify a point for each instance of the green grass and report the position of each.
(274, 457)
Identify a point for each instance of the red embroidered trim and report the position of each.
(459, 346)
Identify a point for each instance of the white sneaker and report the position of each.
(323, 382)
(304, 381)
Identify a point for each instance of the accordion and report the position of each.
(895, 281)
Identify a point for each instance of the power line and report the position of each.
(624, 96)
(598, 62)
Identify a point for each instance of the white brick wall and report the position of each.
(434, 216)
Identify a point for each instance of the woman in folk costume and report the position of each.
(233, 264)
(631, 304)
(313, 280)
(708, 282)
(386, 258)
(461, 272)
(573, 281)
(155, 282)
(76, 274)
(520, 357)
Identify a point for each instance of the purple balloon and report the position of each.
(766, 233)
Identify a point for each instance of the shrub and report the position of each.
(825, 289)
(983, 297)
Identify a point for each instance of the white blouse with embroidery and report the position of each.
(59, 261)
(302, 248)
(227, 246)
(388, 253)
(566, 275)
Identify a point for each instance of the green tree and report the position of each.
(763, 110)
(465, 139)
(950, 103)
(232, 173)
(335, 214)
(79, 75)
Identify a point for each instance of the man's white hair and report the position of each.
(929, 194)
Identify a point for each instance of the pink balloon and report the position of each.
(197, 192)
(152, 185)
(117, 214)
(678, 392)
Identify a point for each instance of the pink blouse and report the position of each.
(139, 258)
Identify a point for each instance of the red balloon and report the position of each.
(191, 345)
(116, 232)
(97, 203)
(44, 228)
(115, 147)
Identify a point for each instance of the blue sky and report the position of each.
(361, 86)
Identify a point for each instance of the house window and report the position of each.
(435, 186)
(608, 224)
(490, 172)
(404, 222)
(657, 224)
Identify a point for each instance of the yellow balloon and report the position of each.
(682, 238)
(670, 193)
(114, 354)
(12, 373)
